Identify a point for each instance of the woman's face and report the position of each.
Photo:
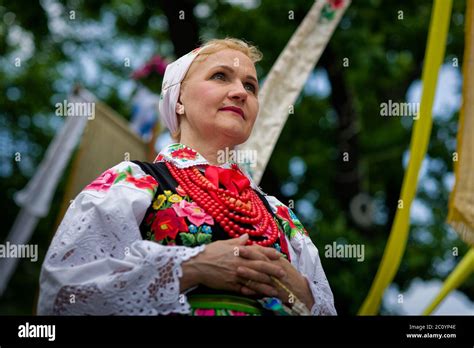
(225, 79)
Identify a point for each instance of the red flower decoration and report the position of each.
(284, 245)
(155, 65)
(103, 182)
(145, 182)
(282, 212)
(184, 153)
(158, 158)
(149, 218)
(205, 312)
(167, 224)
(335, 4)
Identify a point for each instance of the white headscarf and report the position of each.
(174, 75)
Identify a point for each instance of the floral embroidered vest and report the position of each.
(174, 219)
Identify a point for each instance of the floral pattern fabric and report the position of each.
(114, 175)
(166, 221)
(174, 219)
(219, 312)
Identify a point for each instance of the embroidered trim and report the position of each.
(166, 155)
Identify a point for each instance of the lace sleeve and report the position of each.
(322, 294)
(305, 257)
(98, 264)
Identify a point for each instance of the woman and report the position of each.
(187, 234)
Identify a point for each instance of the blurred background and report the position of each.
(117, 50)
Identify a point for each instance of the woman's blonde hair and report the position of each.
(216, 45)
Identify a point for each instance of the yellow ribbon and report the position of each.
(396, 244)
(455, 217)
(456, 278)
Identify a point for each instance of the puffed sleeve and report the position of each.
(98, 263)
(304, 256)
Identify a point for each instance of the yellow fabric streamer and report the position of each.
(456, 278)
(438, 31)
(461, 203)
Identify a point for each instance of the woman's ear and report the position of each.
(179, 105)
(179, 108)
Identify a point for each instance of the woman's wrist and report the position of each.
(307, 295)
(191, 275)
(302, 292)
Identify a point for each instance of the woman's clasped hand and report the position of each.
(247, 269)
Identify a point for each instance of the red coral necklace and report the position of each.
(236, 204)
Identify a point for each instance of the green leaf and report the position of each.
(298, 223)
(175, 146)
(166, 205)
(149, 235)
(203, 238)
(120, 177)
(188, 239)
(286, 227)
(294, 232)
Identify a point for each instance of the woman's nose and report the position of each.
(238, 92)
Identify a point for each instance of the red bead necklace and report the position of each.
(228, 208)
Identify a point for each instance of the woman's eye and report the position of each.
(252, 87)
(219, 75)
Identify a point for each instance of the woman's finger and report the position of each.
(256, 252)
(250, 253)
(271, 253)
(248, 292)
(248, 273)
(267, 267)
(260, 288)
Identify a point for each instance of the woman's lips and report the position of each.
(234, 109)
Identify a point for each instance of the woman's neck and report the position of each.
(211, 151)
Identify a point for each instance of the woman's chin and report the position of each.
(237, 134)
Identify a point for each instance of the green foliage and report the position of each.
(188, 239)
